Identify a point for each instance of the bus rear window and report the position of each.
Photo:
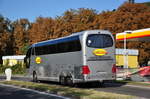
(99, 41)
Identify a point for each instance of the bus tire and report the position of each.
(35, 77)
(69, 81)
(62, 80)
(101, 84)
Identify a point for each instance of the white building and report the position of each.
(13, 60)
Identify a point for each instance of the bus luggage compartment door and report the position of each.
(100, 70)
(100, 66)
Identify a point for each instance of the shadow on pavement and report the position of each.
(90, 84)
(81, 85)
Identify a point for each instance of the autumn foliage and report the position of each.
(16, 36)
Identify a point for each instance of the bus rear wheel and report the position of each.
(62, 80)
(69, 81)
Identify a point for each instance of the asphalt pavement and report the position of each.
(127, 90)
(108, 87)
(11, 92)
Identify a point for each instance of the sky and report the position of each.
(31, 9)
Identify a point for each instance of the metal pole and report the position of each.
(125, 50)
(125, 55)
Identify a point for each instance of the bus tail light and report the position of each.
(114, 68)
(85, 70)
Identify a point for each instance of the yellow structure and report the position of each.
(132, 58)
(136, 35)
(13, 60)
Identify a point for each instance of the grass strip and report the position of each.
(146, 84)
(75, 93)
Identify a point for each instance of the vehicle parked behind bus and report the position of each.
(87, 56)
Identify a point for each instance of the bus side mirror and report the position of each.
(26, 61)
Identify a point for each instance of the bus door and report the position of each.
(99, 56)
(27, 59)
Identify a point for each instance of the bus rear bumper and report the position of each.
(87, 78)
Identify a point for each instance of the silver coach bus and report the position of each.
(86, 56)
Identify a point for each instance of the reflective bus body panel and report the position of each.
(54, 65)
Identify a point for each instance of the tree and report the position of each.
(41, 30)
(5, 36)
(16, 36)
(128, 17)
(20, 35)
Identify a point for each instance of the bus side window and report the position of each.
(74, 46)
(52, 49)
(78, 45)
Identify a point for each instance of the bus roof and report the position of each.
(73, 36)
(54, 41)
